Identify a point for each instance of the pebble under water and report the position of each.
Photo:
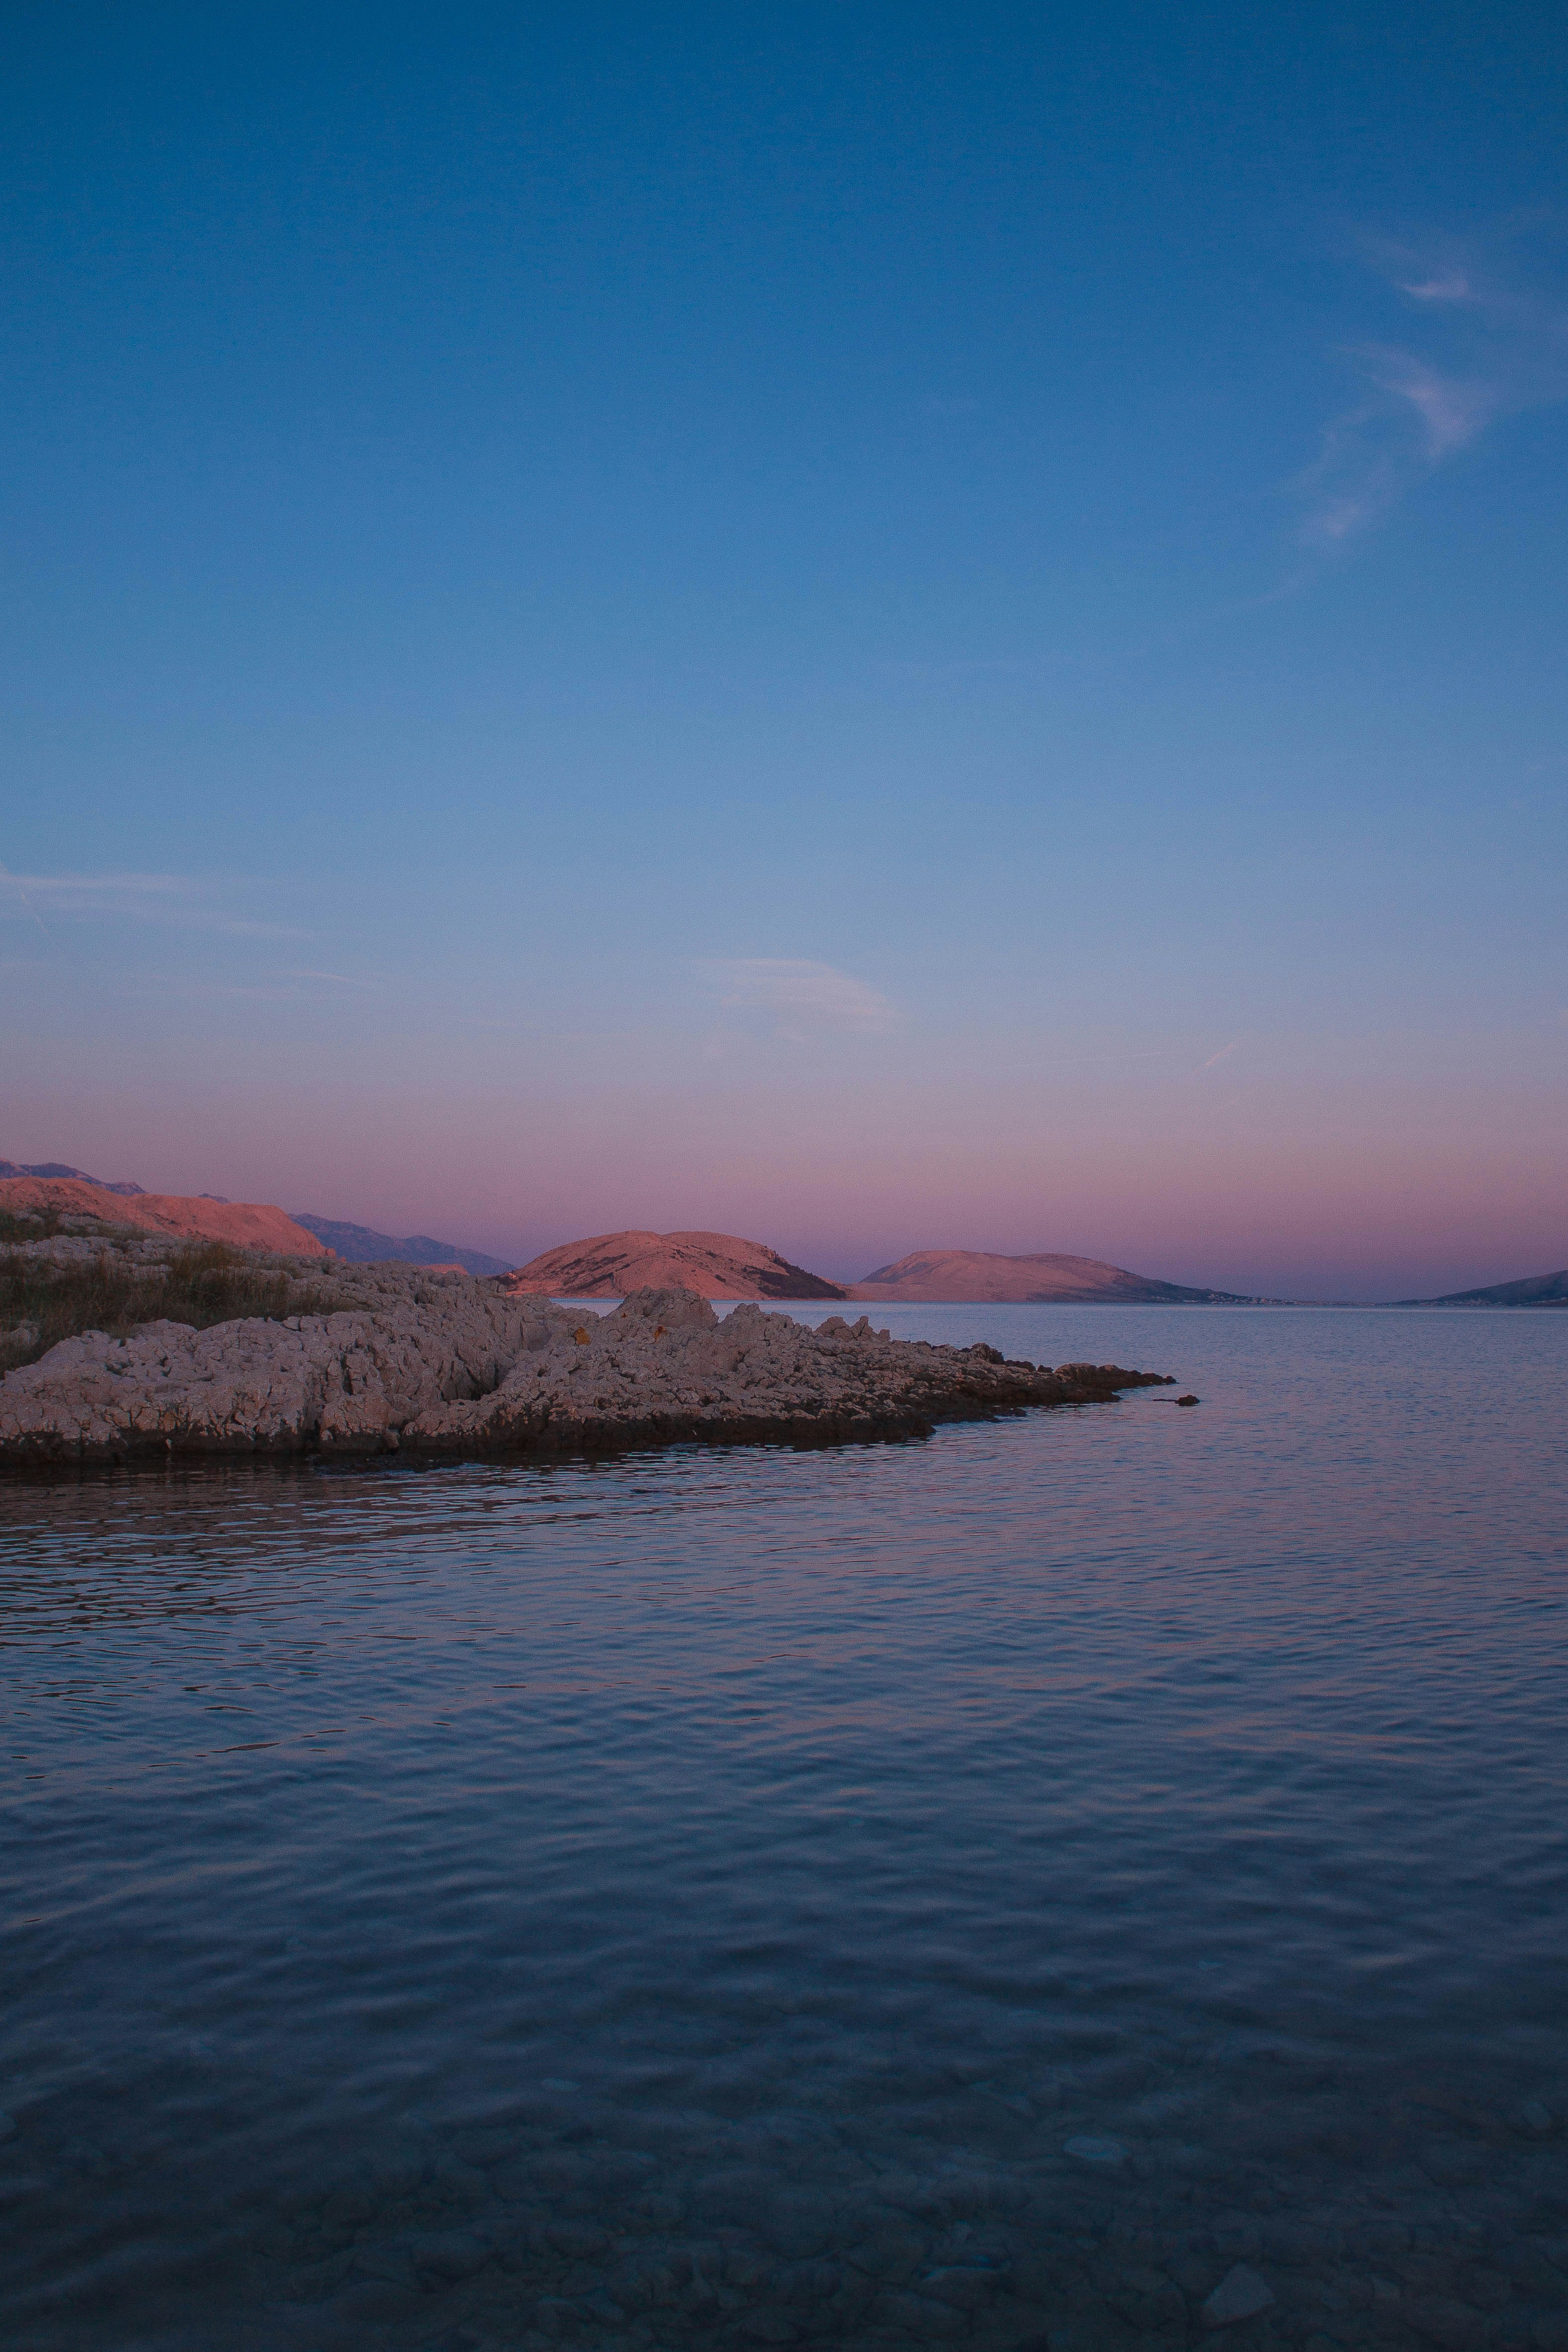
(1099, 1876)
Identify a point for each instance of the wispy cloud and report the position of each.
(71, 892)
(1488, 339)
(801, 997)
(1223, 1055)
(336, 978)
(177, 898)
(1449, 412)
(12, 886)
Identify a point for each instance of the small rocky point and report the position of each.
(436, 1363)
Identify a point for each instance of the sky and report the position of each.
(869, 626)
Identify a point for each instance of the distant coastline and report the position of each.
(1536, 1290)
(609, 1266)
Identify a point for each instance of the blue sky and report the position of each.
(869, 626)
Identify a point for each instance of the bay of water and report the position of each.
(955, 1893)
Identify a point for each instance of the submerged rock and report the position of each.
(1240, 2294)
(437, 1363)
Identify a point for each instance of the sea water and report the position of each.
(953, 1893)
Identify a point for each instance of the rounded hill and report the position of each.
(716, 1266)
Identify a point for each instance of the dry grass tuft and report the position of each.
(201, 1285)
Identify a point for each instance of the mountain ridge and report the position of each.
(56, 1171)
(243, 1224)
(363, 1246)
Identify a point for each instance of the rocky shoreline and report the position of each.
(438, 1364)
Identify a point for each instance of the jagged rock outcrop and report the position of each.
(399, 1342)
(440, 1364)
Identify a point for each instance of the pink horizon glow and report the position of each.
(1290, 1213)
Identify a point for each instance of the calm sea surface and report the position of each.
(940, 1893)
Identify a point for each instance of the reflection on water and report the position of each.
(1015, 1884)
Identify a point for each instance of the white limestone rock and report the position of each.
(439, 1362)
(404, 1340)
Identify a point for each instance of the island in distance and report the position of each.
(716, 1266)
(606, 1266)
(724, 1265)
(970, 1277)
(1535, 1290)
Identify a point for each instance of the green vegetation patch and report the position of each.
(205, 1284)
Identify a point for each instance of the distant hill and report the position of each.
(981, 1278)
(1535, 1290)
(362, 1245)
(716, 1266)
(57, 1168)
(246, 1224)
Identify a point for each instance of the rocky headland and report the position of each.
(384, 1359)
